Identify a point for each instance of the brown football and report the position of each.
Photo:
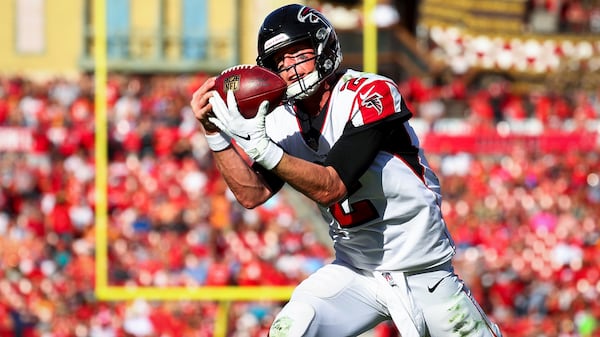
(251, 85)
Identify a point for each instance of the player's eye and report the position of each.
(299, 57)
(303, 57)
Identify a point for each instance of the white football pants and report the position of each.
(337, 301)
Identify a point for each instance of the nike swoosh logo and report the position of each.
(247, 137)
(432, 289)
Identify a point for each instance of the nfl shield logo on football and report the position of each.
(231, 83)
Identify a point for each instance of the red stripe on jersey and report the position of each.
(375, 101)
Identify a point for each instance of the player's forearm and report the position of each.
(319, 183)
(244, 183)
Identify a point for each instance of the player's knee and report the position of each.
(467, 319)
(294, 320)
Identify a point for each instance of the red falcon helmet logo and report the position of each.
(308, 14)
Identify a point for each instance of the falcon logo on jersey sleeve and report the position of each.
(375, 101)
(372, 100)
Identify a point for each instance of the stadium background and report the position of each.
(506, 99)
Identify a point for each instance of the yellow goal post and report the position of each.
(103, 290)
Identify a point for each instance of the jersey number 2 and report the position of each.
(360, 212)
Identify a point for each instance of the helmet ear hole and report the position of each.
(321, 34)
(327, 64)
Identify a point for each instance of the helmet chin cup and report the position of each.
(304, 87)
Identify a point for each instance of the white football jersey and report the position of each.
(392, 220)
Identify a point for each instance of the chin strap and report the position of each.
(304, 87)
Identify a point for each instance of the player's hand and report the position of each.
(217, 140)
(249, 134)
(201, 107)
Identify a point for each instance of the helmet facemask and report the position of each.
(305, 86)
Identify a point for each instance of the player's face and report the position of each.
(295, 62)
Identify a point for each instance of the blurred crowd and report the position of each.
(525, 222)
(563, 16)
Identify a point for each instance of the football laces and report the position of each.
(239, 66)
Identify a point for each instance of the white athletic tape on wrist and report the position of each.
(271, 156)
(218, 141)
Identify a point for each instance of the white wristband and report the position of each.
(218, 141)
(271, 156)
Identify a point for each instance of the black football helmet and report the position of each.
(295, 23)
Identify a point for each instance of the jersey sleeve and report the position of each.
(377, 111)
(377, 99)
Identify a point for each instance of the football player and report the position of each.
(343, 139)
